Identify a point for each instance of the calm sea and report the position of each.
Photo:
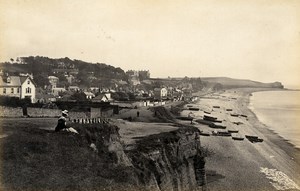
(280, 111)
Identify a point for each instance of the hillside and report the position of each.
(86, 73)
(239, 83)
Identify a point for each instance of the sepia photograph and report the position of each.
(149, 95)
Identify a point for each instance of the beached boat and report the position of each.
(217, 126)
(216, 106)
(209, 117)
(244, 115)
(207, 112)
(204, 134)
(254, 139)
(233, 131)
(213, 119)
(189, 106)
(221, 133)
(203, 122)
(238, 138)
(226, 134)
(238, 123)
(228, 109)
(194, 109)
(234, 115)
(251, 136)
(185, 118)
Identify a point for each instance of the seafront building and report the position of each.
(18, 86)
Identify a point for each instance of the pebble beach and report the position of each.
(272, 164)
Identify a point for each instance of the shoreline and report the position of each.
(280, 141)
(252, 158)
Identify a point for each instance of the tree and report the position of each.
(78, 96)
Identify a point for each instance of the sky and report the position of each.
(255, 39)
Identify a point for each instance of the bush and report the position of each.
(14, 101)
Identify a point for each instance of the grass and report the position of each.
(37, 159)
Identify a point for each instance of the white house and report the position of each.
(53, 80)
(18, 86)
(160, 93)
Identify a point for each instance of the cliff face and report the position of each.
(170, 161)
(167, 161)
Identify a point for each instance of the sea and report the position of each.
(280, 112)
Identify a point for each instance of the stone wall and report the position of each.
(41, 112)
(11, 111)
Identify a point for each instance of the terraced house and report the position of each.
(18, 86)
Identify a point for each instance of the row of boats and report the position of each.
(215, 123)
(229, 133)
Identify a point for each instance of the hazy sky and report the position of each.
(255, 39)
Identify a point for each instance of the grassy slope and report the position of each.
(36, 159)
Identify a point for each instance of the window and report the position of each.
(12, 90)
(28, 82)
(18, 90)
(28, 90)
(4, 90)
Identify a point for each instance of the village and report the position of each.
(62, 88)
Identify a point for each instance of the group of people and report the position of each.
(62, 123)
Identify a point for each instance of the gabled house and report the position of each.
(18, 86)
(101, 98)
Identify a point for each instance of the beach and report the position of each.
(273, 164)
(241, 165)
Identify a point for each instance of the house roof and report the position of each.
(89, 94)
(100, 96)
(52, 77)
(74, 87)
(15, 81)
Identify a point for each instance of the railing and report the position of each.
(90, 120)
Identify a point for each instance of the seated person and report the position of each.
(62, 123)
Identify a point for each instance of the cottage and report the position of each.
(101, 98)
(18, 86)
(160, 93)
